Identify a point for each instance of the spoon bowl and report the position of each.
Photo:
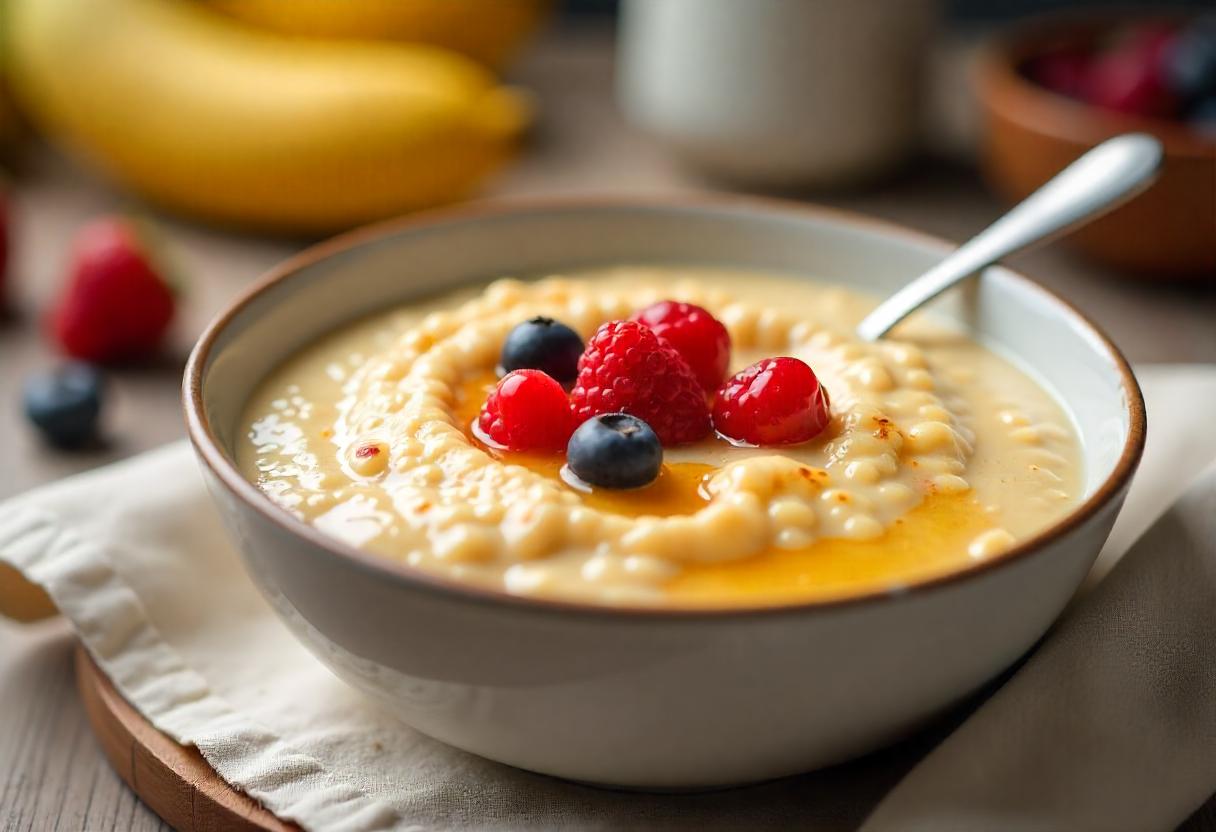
(1097, 182)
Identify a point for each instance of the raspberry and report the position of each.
(528, 411)
(1063, 71)
(1130, 78)
(116, 306)
(627, 368)
(697, 335)
(777, 401)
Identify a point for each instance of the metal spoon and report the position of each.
(1106, 176)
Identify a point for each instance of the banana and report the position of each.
(489, 31)
(11, 131)
(226, 123)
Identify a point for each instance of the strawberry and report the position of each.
(627, 368)
(527, 411)
(698, 336)
(777, 401)
(116, 306)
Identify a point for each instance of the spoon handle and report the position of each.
(1104, 177)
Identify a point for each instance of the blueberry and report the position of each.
(65, 404)
(615, 450)
(543, 344)
(1190, 62)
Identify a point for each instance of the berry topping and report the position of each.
(116, 306)
(697, 335)
(65, 404)
(1130, 78)
(777, 401)
(627, 368)
(528, 411)
(543, 344)
(615, 450)
(1060, 70)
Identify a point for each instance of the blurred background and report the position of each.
(159, 155)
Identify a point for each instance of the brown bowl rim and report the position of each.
(207, 447)
(1002, 88)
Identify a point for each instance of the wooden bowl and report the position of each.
(1030, 133)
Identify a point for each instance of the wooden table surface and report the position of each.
(52, 775)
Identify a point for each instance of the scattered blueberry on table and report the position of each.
(615, 450)
(65, 404)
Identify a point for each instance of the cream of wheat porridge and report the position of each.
(939, 453)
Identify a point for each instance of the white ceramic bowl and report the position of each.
(654, 698)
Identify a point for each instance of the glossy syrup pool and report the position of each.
(929, 540)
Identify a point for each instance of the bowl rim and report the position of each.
(1003, 88)
(208, 449)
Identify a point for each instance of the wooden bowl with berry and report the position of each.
(1058, 86)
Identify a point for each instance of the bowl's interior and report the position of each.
(384, 268)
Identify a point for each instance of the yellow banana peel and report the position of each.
(224, 122)
(489, 31)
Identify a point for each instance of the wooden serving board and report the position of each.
(174, 781)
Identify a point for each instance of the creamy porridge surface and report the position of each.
(940, 454)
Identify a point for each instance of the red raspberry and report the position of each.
(1063, 71)
(777, 401)
(116, 306)
(528, 411)
(627, 368)
(697, 335)
(1130, 78)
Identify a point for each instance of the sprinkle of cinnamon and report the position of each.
(367, 451)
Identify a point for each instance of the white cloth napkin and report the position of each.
(1111, 724)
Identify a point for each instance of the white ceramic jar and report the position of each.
(777, 93)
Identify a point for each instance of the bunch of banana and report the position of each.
(222, 121)
(488, 31)
(10, 123)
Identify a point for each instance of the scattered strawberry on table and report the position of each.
(116, 306)
(65, 404)
(1149, 69)
(653, 380)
